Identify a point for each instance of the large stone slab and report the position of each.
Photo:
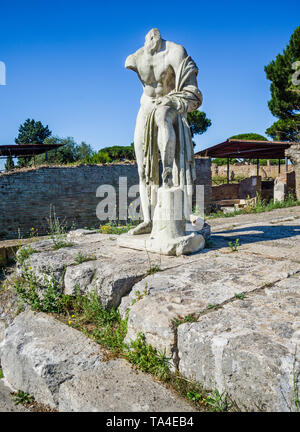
(116, 387)
(108, 270)
(108, 273)
(39, 353)
(249, 348)
(192, 289)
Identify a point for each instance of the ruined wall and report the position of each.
(246, 188)
(225, 192)
(248, 170)
(26, 195)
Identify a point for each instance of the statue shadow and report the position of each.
(254, 234)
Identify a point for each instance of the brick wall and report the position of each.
(26, 196)
(246, 188)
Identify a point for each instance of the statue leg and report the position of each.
(166, 139)
(146, 226)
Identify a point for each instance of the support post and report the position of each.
(228, 170)
(279, 163)
(257, 167)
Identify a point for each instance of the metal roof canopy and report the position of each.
(26, 149)
(247, 149)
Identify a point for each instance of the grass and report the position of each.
(260, 206)
(44, 297)
(1, 374)
(116, 228)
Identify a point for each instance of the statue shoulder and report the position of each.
(132, 59)
(177, 53)
(176, 50)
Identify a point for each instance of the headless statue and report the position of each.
(169, 79)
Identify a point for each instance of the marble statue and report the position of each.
(169, 79)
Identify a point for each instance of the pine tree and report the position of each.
(284, 74)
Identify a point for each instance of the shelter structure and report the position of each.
(250, 149)
(26, 150)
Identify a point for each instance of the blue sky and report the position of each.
(65, 63)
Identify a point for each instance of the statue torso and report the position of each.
(155, 71)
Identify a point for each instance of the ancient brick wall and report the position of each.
(26, 196)
(244, 170)
(246, 188)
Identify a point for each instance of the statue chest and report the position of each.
(155, 70)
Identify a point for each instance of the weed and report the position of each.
(83, 258)
(190, 318)
(23, 398)
(1, 374)
(24, 253)
(234, 246)
(153, 268)
(175, 322)
(240, 296)
(187, 319)
(140, 295)
(42, 297)
(86, 314)
(58, 231)
(147, 358)
(192, 390)
(213, 306)
(218, 402)
(193, 396)
(116, 228)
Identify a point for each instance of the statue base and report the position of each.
(179, 246)
(169, 235)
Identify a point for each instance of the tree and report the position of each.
(83, 151)
(198, 122)
(249, 136)
(283, 72)
(32, 132)
(70, 151)
(9, 164)
(120, 152)
(244, 136)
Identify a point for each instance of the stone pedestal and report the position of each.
(279, 190)
(168, 236)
